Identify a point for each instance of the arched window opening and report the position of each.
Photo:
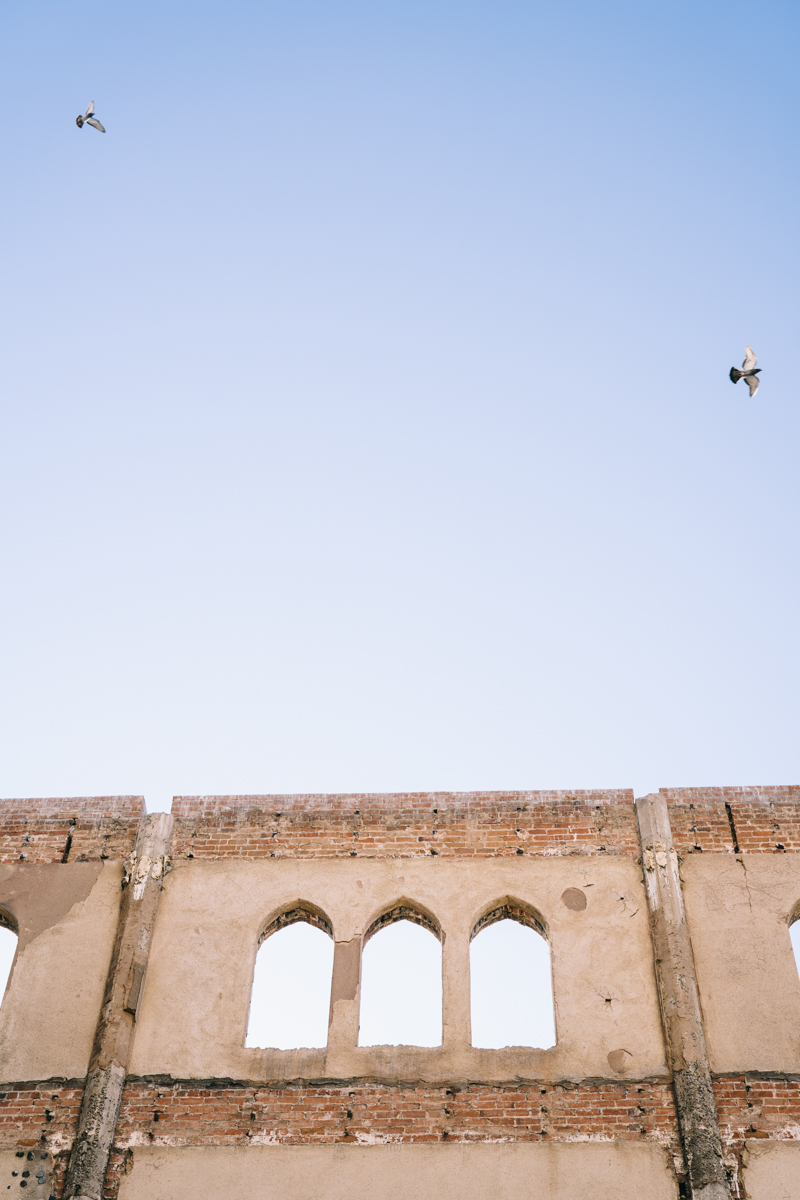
(794, 933)
(8, 948)
(401, 981)
(511, 980)
(291, 993)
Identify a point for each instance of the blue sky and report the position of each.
(365, 420)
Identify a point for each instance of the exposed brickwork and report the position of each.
(763, 820)
(42, 1119)
(450, 824)
(751, 1108)
(43, 831)
(189, 1115)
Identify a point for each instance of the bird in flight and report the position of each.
(749, 371)
(89, 119)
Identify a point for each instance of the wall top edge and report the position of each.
(755, 794)
(58, 805)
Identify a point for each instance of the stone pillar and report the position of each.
(456, 1022)
(343, 1019)
(144, 873)
(680, 1004)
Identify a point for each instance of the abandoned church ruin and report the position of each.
(676, 1066)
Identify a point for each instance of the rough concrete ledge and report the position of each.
(394, 1082)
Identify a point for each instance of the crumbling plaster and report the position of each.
(194, 1012)
(738, 909)
(66, 917)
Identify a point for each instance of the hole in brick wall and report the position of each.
(8, 948)
(401, 986)
(511, 989)
(292, 986)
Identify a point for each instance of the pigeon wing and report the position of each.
(750, 360)
(89, 110)
(752, 383)
(93, 121)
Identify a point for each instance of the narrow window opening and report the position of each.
(292, 984)
(511, 982)
(8, 948)
(401, 983)
(794, 933)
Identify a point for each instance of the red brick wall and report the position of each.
(764, 820)
(41, 1119)
(451, 824)
(192, 1115)
(753, 1108)
(37, 831)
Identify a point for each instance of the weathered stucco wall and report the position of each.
(739, 908)
(194, 1015)
(66, 917)
(505, 1172)
(203, 1116)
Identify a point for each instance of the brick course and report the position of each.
(41, 1117)
(83, 827)
(764, 820)
(188, 1114)
(450, 824)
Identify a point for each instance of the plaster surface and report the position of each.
(772, 1170)
(602, 1171)
(194, 1012)
(738, 909)
(67, 919)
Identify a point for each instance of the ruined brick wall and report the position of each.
(78, 829)
(472, 825)
(161, 1110)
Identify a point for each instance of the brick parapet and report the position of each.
(450, 824)
(755, 820)
(80, 827)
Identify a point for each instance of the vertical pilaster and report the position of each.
(345, 1007)
(124, 987)
(456, 1022)
(680, 1003)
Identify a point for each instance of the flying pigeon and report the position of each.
(749, 371)
(88, 119)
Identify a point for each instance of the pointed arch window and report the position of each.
(511, 989)
(8, 949)
(290, 1000)
(794, 934)
(401, 980)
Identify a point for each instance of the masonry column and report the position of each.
(343, 1019)
(114, 1037)
(680, 1004)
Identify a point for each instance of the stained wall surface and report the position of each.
(202, 1115)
